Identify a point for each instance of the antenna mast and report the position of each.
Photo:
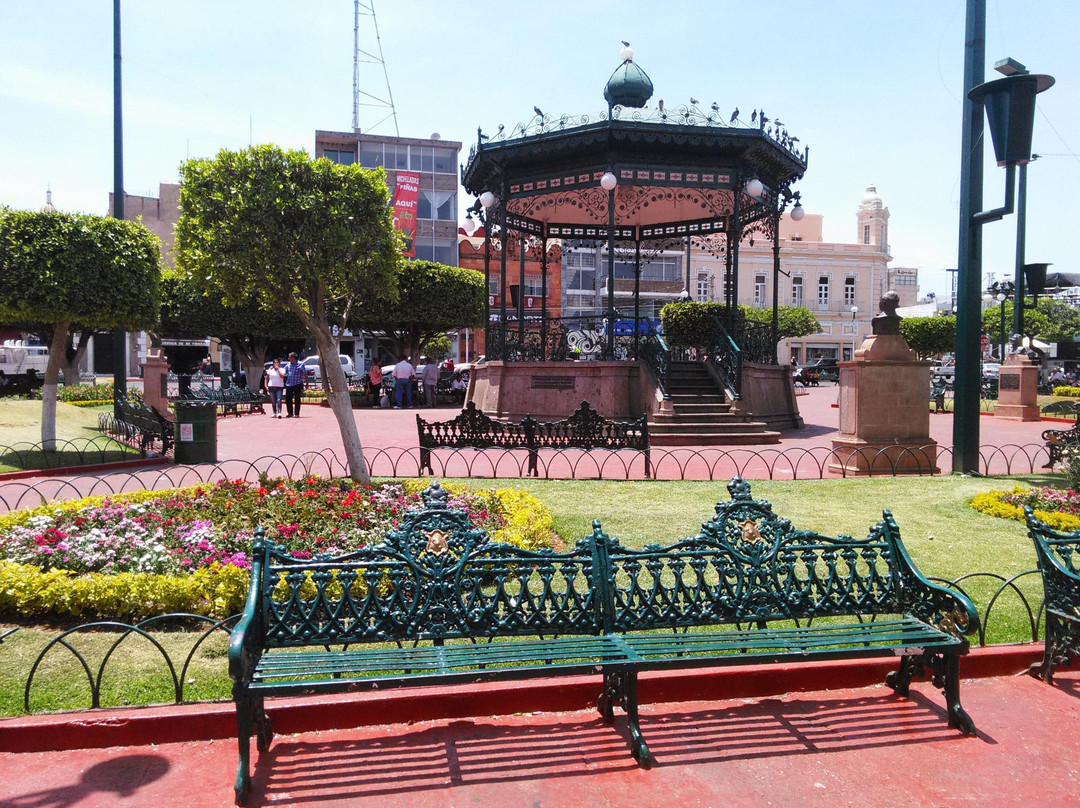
(369, 58)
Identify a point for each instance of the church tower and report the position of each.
(873, 221)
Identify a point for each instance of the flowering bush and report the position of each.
(180, 531)
(1060, 509)
(85, 392)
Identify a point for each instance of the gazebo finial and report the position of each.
(629, 86)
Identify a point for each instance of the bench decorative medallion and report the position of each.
(437, 602)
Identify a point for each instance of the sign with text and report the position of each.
(406, 191)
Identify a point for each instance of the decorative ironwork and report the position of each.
(1058, 557)
(583, 429)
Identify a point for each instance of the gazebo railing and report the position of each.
(562, 339)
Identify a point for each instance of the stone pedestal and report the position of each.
(1018, 389)
(884, 412)
(156, 383)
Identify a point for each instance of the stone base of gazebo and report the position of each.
(549, 391)
(619, 390)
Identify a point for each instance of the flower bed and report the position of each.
(1056, 507)
(187, 549)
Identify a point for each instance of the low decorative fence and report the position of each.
(752, 463)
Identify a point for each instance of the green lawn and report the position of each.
(76, 433)
(945, 537)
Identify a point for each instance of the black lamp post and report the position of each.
(1010, 110)
(119, 340)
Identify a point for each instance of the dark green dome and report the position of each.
(628, 86)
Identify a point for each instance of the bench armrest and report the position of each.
(246, 639)
(946, 609)
(1061, 581)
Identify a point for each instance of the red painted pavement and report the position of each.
(845, 746)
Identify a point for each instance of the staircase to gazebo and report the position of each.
(701, 415)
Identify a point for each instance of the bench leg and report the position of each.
(958, 718)
(1060, 648)
(628, 697)
(244, 722)
(609, 694)
(900, 680)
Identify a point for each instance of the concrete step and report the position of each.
(705, 427)
(715, 439)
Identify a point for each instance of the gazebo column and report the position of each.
(776, 285)
(503, 241)
(733, 248)
(610, 352)
(519, 308)
(637, 296)
(543, 293)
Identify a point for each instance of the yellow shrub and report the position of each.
(26, 590)
(990, 503)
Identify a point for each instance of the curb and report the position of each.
(75, 471)
(217, 720)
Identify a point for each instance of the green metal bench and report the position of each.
(438, 603)
(583, 429)
(138, 424)
(1059, 564)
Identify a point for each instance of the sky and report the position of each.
(874, 89)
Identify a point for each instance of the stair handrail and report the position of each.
(725, 357)
(655, 355)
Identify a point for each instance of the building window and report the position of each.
(823, 292)
(704, 288)
(441, 205)
(346, 158)
(759, 290)
(534, 286)
(849, 291)
(394, 156)
(866, 234)
(796, 291)
(493, 285)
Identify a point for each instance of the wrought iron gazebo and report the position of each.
(637, 180)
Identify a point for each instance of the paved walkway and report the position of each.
(851, 746)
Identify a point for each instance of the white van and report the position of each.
(16, 357)
(312, 370)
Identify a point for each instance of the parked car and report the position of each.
(990, 370)
(313, 372)
(826, 363)
(944, 371)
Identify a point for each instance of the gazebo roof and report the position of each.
(679, 170)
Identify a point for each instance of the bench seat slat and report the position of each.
(856, 638)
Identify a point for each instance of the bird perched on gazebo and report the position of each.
(539, 114)
(734, 116)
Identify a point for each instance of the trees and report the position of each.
(310, 236)
(1036, 323)
(929, 335)
(432, 299)
(59, 268)
(792, 321)
(188, 311)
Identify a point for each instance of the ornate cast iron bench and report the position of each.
(1059, 563)
(1057, 441)
(437, 603)
(584, 429)
(139, 425)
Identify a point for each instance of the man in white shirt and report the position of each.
(430, 379)
(404, 373)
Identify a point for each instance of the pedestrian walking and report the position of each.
(404, 373)
(430, 379)
(294, 386)
(275, 387)
(375, 382)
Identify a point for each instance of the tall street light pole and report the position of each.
(969, 266)
(119, 344)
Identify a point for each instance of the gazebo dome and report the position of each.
(629, 86)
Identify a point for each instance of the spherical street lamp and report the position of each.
(487, 199)
(754, 188)
(609, 181)
(797, 212)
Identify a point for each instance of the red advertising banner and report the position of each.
(405, 195)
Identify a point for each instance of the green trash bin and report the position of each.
(196, 432)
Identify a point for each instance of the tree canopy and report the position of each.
(310, 236)
(431, 299)
(60, 268)
(792, 321)
(188, 311)
(929, 335)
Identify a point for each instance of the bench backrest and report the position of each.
(1059, 561)
(585, 428)
(748, 566)
(471, 429)
(435, 577)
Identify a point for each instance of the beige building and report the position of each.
(841, 283)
